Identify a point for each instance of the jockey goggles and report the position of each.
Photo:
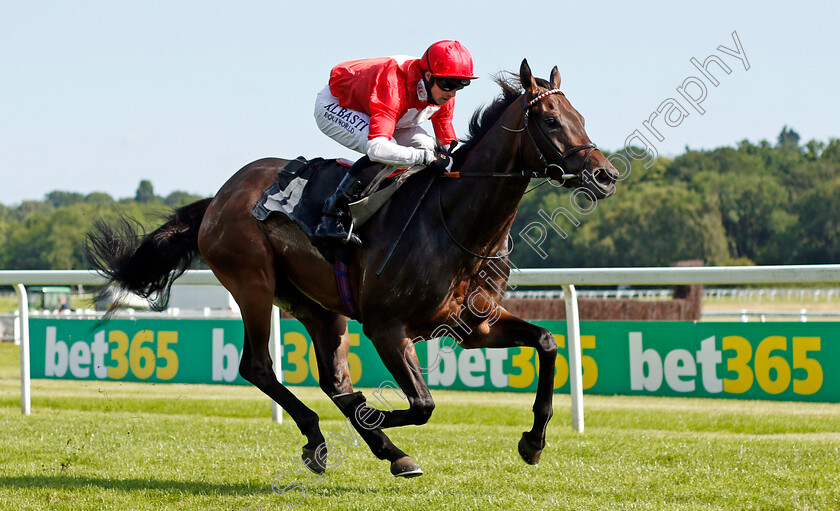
(449, 84)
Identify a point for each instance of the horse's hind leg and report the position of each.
(250, 277)
(256, 367)
(331, 338)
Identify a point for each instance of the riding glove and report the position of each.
(439, 159)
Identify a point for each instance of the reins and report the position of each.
(459, 244)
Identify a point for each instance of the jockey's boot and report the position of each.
(331, 227)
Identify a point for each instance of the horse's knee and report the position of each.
(421, 410)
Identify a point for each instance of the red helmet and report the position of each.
(449, 59)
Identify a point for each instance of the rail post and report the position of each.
(275, 347)
(575, 369)
(25, 383)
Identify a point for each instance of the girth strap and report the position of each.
(342, 281)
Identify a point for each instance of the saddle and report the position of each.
(303, 185)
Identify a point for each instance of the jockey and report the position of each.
(375, 107)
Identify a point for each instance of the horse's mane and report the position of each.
(486, 116)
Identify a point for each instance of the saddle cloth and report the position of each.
(303, 185)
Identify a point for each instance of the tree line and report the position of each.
(765, 203)
(750, 204)
(50, 234)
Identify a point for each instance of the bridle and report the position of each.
(562, 155)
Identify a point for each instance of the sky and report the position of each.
(99, 95)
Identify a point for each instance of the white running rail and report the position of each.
(567, 278)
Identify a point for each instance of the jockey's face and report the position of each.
(439, 96)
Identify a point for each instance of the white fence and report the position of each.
(712, 295)
(740, 294)
(567, 278)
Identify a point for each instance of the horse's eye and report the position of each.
(551, 122)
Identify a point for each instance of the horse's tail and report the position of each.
(146, 264)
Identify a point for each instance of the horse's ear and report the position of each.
(525, 76)
(555, 78)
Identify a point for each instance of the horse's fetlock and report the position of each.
(543, 415)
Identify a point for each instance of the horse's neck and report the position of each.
(486, 206)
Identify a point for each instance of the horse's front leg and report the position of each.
(332, 341)
(396, 350)
(504, 330)
(390, 345)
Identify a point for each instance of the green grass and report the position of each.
(125, 446)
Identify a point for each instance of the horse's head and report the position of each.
(559, 145)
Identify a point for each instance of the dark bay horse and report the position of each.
(449, 269)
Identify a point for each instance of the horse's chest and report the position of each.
(471, 301)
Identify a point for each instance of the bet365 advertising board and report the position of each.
(782, 361)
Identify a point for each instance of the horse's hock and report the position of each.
(685, 305)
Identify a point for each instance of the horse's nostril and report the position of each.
(603, 177)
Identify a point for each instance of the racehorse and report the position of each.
(452, 272)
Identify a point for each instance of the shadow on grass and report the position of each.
(186, 487)
(129, 485)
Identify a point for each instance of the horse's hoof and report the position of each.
(529, 453)
(311, 461)
(406, 467)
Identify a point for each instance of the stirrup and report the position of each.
(335, 231)
(352, 238)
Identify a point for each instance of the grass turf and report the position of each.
(126, 446)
